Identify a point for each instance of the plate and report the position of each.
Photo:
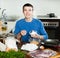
(29, 47)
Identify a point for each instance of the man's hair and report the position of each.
(27, 4)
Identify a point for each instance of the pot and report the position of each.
(51, 42)
(51, 15)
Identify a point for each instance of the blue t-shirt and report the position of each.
(35, 25)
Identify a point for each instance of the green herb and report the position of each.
(12, 54)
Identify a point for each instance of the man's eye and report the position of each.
(30, 10)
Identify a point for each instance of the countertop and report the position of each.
(47, 17)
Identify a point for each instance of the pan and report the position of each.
(51, 42)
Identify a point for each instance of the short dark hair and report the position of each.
(27, 4)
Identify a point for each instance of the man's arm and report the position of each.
(18, 36)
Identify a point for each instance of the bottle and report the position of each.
(4, 26)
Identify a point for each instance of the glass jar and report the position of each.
(4, 27)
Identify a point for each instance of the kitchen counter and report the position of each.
(27, 52)
(47, 17)
(29, 56)
(56, 56)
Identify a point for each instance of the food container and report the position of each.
(32, 39)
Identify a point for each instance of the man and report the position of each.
(24, 26)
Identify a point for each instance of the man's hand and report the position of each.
(37, 36)
(23, 32)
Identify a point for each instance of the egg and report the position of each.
(42, 47)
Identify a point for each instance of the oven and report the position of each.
(52, 28)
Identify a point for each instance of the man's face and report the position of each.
(28, 12)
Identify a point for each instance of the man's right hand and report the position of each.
(23, 32)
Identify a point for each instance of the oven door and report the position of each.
(51, 32)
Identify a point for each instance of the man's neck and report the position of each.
(28, 19)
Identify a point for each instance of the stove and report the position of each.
(52, 26)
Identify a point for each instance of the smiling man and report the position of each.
(25, 25)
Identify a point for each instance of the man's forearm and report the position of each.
(41, 37)
(18, 36)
